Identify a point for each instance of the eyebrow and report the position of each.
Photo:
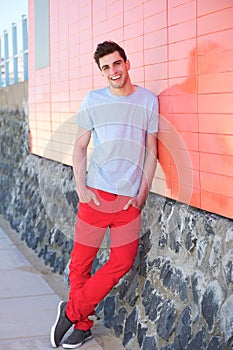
(115, 62)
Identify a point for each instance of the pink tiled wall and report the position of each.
(180, 49)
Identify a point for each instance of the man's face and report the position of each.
(115, 70)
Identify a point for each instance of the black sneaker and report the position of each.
(61, 325)
(77, 338)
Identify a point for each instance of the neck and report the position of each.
(123, 91)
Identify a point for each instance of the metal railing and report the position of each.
(14, 53)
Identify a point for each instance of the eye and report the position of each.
(105, 68)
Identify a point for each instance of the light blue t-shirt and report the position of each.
(119, 125)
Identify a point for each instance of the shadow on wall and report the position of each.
(192, 143)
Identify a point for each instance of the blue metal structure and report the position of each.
(0, 65)
(25, 46)
(6, 58)
(14, 54)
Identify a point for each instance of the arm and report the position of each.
(148, 172)
(80, 166)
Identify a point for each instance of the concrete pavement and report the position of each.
(29, 295)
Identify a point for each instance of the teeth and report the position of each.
(115, 78)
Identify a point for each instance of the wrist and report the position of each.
(81, 189)
(142, 194)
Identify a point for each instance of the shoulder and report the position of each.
(147, 92)
(94, 98)
(147, 98)
(98, 93)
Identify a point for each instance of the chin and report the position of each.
(117, 86)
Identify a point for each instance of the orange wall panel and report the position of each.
(216, 183)
(216, 163)
(216, 203)
(216, 21)
(182, 13)
(205, 7)
(215, 123)
(180, 49)
(216, 143)
(156, 22)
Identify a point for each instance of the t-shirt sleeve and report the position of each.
(84, 119)
(153, 124)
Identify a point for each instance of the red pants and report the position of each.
(87, 291)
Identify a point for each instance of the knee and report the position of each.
(128, 264)
(122, 258)
(123, 265)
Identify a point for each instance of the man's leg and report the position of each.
(95, 289)
(82, 258)
(100, 284)
(91, 226)
(124, 245)
(88, 238)
(90, 229)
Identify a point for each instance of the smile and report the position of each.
(115, 78)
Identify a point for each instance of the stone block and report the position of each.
(227, 264)
(118, 321)
(183, 329)
(226, 320)
(166, 322)
(109, 310)
(149, 343)
(130, 326)
(199, 341)
(215, 343)
(142, 329)
(211, 302)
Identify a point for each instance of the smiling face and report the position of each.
(115, 70)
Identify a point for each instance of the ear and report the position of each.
(101, 72)
(127, 64)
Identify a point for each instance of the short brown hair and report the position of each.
(106, 48)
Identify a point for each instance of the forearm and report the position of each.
(148, 168)
(80, 159)
(79, 168)
(148, 173)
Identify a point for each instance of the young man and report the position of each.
(123, 119)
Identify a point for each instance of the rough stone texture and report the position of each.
(227, 263)
(215, 344)
(149, 343)
(226, 318)
(199, 341)
(211, 302)
(37, 195)
(142, 329)
(178, 294)
(183, 330)
(130, 326)
(118, 322)
(151, 301)
(109, 310)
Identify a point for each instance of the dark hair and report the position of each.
(106, 48)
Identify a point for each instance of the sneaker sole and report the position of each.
(52, 332)
(69, 346)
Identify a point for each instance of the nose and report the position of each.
(113, 70)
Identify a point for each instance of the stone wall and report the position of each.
(178, 294)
